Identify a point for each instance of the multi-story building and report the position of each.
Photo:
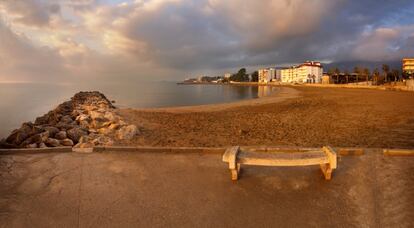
(408, 65)
(307, 72)
(266, 75)
(227, 75)
(269, 74)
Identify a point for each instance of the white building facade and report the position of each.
(267, 75)
(307, 72)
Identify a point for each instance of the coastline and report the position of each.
(297, 116)
(282, 94)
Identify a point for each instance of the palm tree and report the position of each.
(395, 73)
(385, 70)
(347, 76)
(337, 72)
(366, 73)
(357, 71)
(375, 74)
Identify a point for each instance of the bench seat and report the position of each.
(324, 157)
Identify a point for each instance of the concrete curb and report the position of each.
(217, 150)
(36, 150)
(208, 150)
(398, 152)
(342, 151)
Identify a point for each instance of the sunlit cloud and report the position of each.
(158, 39)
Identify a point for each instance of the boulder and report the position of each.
(25, 131)
(66, 142)
(42, 145)
(61, 135)
(105, 131)
(52, 142)
(127, 132)
(65, 126)
(6, 145)
(66, 119)
(52, 130)
(112, 117)
(83, 117)
(42, 120)
(35, 139)
(96, 115)
(102, 141)
(76, 133)
(33, 145)
(85, 145)
(100, 123)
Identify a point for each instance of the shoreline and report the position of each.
(282, 94)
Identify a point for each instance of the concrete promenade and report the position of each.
(132, 189)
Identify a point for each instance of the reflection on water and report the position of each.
(20, 102)
(264, 91)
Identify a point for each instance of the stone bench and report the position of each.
(325, 157)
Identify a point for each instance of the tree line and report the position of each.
(364, 74)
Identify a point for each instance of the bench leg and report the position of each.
(235, 172)
(327, 171)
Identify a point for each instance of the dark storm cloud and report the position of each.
(184, 36)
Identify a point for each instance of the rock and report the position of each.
(52, 142)
(38, 138)
(83, 117)
(66, 126)
(6, 145)
(103, 141)
(105, 131)
(127, 132)
(66, 119)
(66, 142)
(33, 145)
(52, 130)
(110, 116)
(100, 123)
(76, 133)
(85, 145)
(42, 120)
(21, 134)
(96, 115)
(61, 135)
(114, 126)
(84, 124)
(42, 145)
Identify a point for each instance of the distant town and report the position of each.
(312, 72)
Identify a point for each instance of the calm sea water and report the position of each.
(22, 102)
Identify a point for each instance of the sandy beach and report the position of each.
(296, 116)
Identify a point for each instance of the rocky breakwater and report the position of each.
(87, 120)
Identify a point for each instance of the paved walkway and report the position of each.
(194, 190)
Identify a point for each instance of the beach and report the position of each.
(293, 116)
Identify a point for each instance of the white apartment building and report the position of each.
(307, 72)
(267, 75)
(227, 75)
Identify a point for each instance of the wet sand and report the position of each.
(297, 116)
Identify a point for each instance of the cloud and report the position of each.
(30, 12)
(150, 38)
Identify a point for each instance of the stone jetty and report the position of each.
(89, 119)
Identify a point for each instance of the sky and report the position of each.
(121, 40)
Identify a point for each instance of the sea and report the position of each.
(23, 102)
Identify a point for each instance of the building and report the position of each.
(307, 72)
(227, 75)
(408, 66)
(267, 75)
